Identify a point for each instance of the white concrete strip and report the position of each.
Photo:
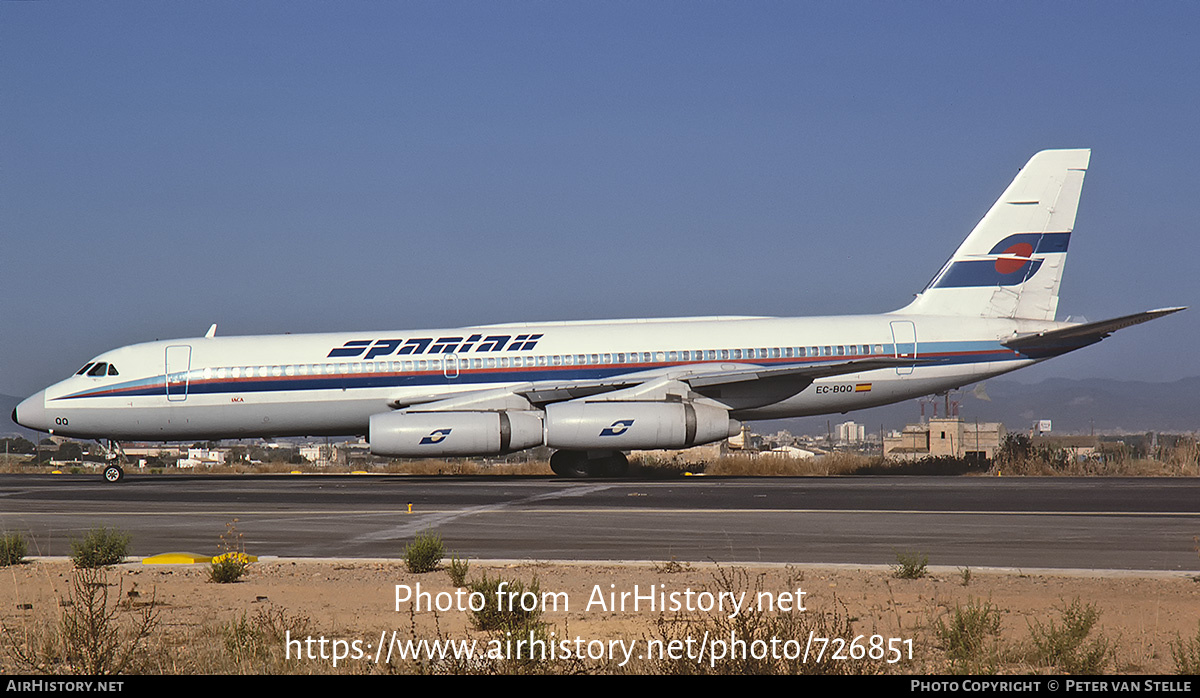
(423, 522)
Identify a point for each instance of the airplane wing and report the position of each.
(741, 387)
(1054, 342)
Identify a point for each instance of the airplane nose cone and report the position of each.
(31, 413)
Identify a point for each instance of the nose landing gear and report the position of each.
(113, 472)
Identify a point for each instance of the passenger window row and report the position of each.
(454, 365)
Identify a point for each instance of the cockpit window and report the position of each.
(98, 369)
(112, 370)
(86, 366)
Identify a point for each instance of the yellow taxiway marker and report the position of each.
(176, 559)
(192, 558)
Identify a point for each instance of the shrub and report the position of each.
(1186, 653)
(95, 634)
(12, 549)
(458, 571)
(1065, 646)
(759, 627)
(503, 611)
(231, 564)
(100, 547)
(910, 565)
(672, 566)
(424, 554)
(227, 568)
(965, 633)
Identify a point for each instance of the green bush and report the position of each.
(231, 564)
(964, 634)
(503, 611)
(100, 547)
(424, 554)
(1186, 652)
(1066, 646)
(227, 568)
(910, 565)
(12, 549)
(458, 571)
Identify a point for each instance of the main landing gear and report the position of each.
(589, 463)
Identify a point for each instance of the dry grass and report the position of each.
(202, 628)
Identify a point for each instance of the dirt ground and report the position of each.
(1142, 614)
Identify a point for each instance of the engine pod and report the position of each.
(613, 425)
(418, 434)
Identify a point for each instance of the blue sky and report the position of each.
(300, 166)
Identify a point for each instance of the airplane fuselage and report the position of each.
(330, 384)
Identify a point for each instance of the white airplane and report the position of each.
(594, 389)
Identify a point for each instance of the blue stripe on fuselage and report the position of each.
(947, 353)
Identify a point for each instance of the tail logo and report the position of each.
(1014, 258)
(1010, 262)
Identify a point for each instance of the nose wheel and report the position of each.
(113, 472)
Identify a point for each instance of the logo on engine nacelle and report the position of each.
(435, 437)
(617, 428)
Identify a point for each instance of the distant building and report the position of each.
(202, 457)
(944, 436)
(320, 454)
(851, 433)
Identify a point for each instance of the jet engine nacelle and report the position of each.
(620, 426)
(417, 434)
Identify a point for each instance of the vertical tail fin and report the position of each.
(1012, 262)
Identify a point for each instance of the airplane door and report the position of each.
(904, 335)
(179, 362)
(450, 365)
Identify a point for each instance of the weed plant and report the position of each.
(424, 554)
(100, 547)
(458, 571)
(1186, 653)
(910, 565)
(231, 564)
(94, 635)
(1066, 646)
(13, 549)
(759, 627)
(965, 635)
(502, 610)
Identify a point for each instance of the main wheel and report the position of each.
(570, 464)
(589, 463)
(113, 473)
(617, 465)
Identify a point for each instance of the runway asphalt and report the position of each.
(1083, 523)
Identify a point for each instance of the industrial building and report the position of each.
(945, 436)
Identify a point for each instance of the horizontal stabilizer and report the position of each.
(1055, 342)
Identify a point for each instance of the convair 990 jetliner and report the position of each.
(595, 389)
